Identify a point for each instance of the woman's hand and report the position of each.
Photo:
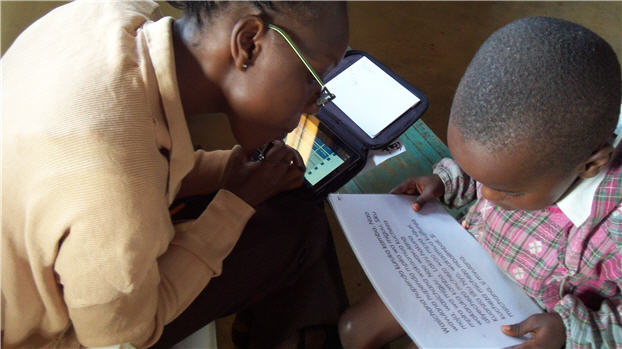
(427, 187)
(256, 181)
(547, 331)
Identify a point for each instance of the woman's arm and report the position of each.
(206, 176)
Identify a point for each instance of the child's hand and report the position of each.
(427, 187)
(547, 331)
(256, 181)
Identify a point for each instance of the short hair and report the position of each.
(205, 10)
(544, 84)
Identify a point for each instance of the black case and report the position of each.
(352, 136)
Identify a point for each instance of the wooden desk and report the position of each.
(423, 149)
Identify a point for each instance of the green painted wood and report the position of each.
(423, 149)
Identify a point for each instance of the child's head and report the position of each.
(534, 111)
(263, 84)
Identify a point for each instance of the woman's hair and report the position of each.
(545, 84)
(205, 10)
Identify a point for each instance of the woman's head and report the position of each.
(258, 79)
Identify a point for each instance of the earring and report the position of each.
(244, 66)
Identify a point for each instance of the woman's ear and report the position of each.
(245, 44)
(597, 161)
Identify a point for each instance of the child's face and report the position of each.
(268, 99)
(508, 179)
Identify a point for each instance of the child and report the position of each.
(530, 132)
(96, 148)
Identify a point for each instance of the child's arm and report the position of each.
(573, 324)
(447, 182)
(460, 188)
(596, 326)
(586, 328)
(599, 327)
(426, 187)
(545, 331)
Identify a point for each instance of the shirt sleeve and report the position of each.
(124, 269)
(207, 175)
(460, 188)
(586, 328)
(601, 328)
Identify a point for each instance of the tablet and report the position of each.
(327, 158)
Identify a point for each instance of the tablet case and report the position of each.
(352, 136)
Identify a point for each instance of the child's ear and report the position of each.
(597, 161)
(245, 41)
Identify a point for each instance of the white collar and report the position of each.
(577, 204)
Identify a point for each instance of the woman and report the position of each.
(96, 150)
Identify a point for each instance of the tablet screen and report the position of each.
(321, 151)
(370, 97)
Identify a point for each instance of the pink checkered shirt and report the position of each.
(575, 271)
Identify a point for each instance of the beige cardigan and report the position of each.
(94, 148)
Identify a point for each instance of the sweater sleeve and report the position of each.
(124, 269)
(207, 175)
(460, 188)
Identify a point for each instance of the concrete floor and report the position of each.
(428, 43)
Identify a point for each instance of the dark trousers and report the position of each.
(283, 274)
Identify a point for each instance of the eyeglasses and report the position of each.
(325, 95)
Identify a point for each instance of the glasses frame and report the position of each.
(325, 95)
